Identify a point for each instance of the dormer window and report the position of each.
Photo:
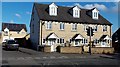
(76, 12)
(95, 13)
(6, 32)
(53, 9)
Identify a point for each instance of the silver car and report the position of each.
(11, 44)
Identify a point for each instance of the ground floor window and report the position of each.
(61, 40)
(96, 41)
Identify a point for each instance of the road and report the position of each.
(30, 57)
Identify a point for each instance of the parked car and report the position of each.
(11, 44)
(3, 43)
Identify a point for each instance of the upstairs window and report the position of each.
(95, 13)
(53, 9)
(85, 27)
(95, 28)
(62, 26)
(49, 25)
(104, 28)
(74, 27)
(76, 12)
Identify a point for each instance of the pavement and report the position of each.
(31, 57)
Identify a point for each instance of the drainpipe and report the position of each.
(110, 36)
(40, 35)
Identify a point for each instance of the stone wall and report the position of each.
(47, 48)
(100, 50)
(71, 50)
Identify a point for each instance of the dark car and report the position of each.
(11, 44)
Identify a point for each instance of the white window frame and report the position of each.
(76, 12)
(95, 14)
(104, 28)
(74, 27)
(49, 25)
(61, 40)
(84, 41)
(95, 28)
(85, 27)
(62, 26)
(95, 41)
(53, 9)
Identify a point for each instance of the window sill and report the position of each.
(73, 30)
(62, 30)
(48, 29)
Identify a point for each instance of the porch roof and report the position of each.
(52, 36)
(77, 36)
(105, 37)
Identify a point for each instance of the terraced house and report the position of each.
(54, 25)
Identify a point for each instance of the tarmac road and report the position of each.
(30, 57)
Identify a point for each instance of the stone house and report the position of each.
(53, 25)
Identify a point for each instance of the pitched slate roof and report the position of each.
(14, 27)
(63, 15)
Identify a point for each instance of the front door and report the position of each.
(103, 44)
(52, 42)
(77, 43)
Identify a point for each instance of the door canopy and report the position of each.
(52, 36)
(77, 37)
(105, 37)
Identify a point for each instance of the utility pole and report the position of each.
(90, 41)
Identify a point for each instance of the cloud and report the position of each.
(28, 12)
(18, 15)
(90, 6)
